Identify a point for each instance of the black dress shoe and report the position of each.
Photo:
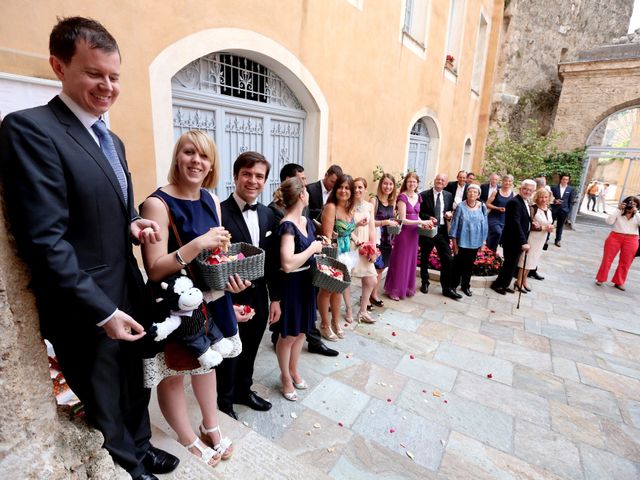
(229, 411)
(467, 291)
(450, 293)
(424, 288)
(500, 290)
(159, 461)
(321, 349)
(254, 402)
(557, 244)
(536, 275)
(146, 476)
(509, 290)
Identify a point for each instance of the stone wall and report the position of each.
(37, 441)
(536, 36)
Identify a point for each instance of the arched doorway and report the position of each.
(244, 106)
(466, 156)
(422, 149)
(612, 157)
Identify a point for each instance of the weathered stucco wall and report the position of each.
(537, 35)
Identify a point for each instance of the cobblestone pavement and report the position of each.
(474, 388)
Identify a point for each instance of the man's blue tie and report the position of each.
(109, 150)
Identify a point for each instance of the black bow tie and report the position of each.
(253, 207)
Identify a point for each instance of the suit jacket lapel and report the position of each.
(238, 219)
(76, 130)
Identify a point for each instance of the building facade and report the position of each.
(359, 83)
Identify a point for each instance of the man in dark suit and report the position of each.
(319, 191)
(437, 206)
(458, 188)
(517, 222)
(314, 340)
(70, 202)
(564, 197)
(486, 189)
(249, 221)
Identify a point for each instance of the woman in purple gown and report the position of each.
(401, 276)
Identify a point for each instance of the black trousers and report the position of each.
(441, 242)
(560, 218)
(511, 257)
(234, 376)
(462, 267)
(106, 375)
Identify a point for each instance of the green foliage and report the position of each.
(522, 157)
(564, 162)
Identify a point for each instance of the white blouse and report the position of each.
(622, 224)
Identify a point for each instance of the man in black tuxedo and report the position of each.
(458, 188)
(486, 189)
(319, 191)
(314, 340)
(437, 206)
(249, 221)
(517, 222)
(70, 202)
(564, 197)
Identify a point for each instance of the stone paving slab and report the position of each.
(563, 400)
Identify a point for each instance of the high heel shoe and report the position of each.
(291, 396)
(335, 326)
(364, 317)
(224, 447)
(377, 303)
(522, 289)
(348, 317)
(207, 455)
(300, 386)
(327, 333)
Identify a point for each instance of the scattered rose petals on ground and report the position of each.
(443, 442)
(392, 430)
(436, 393)
(411, 357)
(307, 433)
(404, 417)
(340, 424)
(316, 425)
(389, 400)
(294, 415)
(245, 423)
(424, 391)
(409, 454)
(492, 311)
(371, 411)
(331, 449)
(489, 375)
(446, 401)
(393, 334)
(403, 445)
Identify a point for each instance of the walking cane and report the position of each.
(524, 266)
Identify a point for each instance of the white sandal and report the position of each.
(206, 454)
(224, 448)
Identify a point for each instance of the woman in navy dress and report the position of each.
(298, 302)
(196, 214)
(496, 204)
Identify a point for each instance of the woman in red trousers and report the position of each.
(624, 239)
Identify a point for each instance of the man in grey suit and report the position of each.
(70, 202)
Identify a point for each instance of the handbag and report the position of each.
(176, 355)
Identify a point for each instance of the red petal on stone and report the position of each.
(446, 401)
(391, 430)
(489, 375)
(389, 400)
(411, 357)
(393, 334)
(340, 424)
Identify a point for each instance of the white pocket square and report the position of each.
(268, 233)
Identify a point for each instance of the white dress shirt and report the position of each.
(435, 198)
(325, 193)
(251, 219)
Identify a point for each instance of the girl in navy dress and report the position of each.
(196, 214)
(298, 303)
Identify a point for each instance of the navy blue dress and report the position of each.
(192, 219)
(496, 221)
(298, 302)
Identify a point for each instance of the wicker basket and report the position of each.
(324, 281)
(428, 233)
(249, 268)
(394, 229)
(331, 251)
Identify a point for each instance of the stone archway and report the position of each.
(428, 119)
(248, 44)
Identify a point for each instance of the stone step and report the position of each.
(254, 456)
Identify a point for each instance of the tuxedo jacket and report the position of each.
(568, 199)
(452, 186)
(517, 223)
(428, 205)
(315, 199)
(258, 295)
(69, 218)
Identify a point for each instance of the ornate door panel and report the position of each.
(418, 150)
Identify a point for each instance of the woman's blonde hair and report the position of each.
(205, 146)
(394, 193)
(286, 196)
(540, 192)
